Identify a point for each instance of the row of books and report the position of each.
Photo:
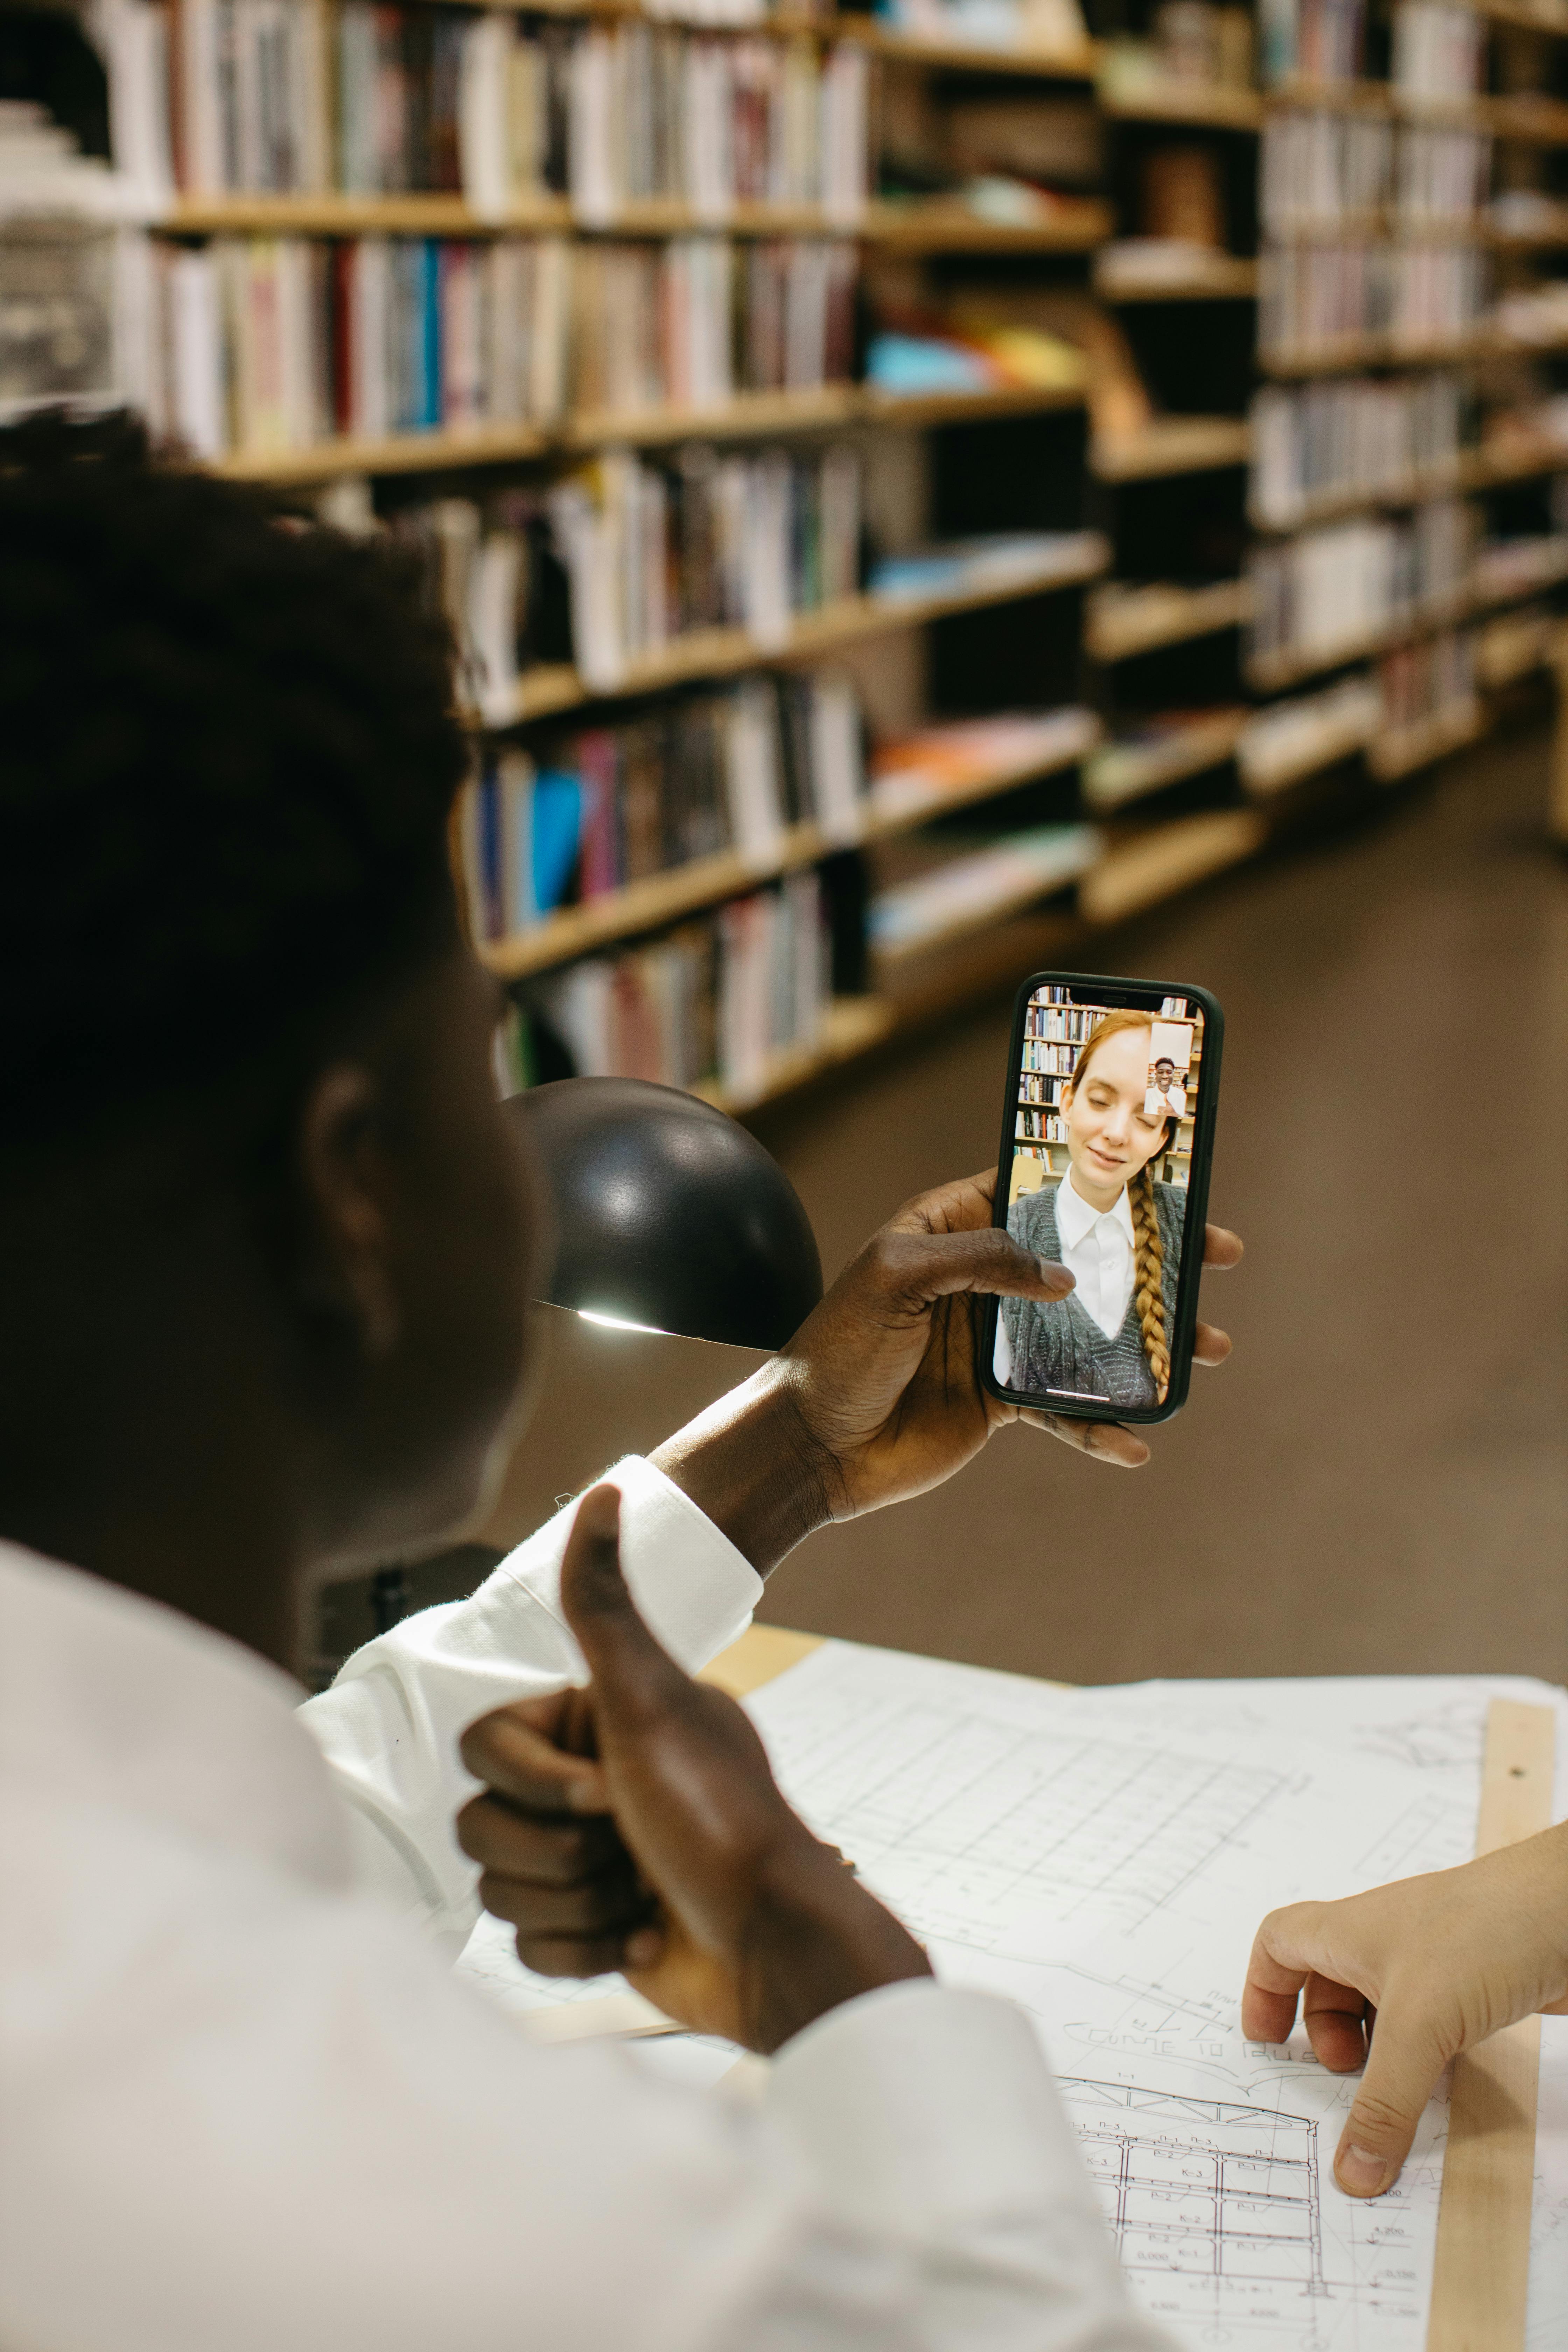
(1057, 1018)
(263, 345)
(1436, 52)
(1314, 297)
(1335, 586)
(654, 552)
(1320, 167)
(1431, 680)
(1351, 438)
(1319, 40)
(306, 97)
(712, 1004)
(657, 115)
(610, 805)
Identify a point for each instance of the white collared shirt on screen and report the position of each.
(1098, 1249)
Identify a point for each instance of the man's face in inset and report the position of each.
(1164, 1072)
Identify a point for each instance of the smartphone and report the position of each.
(1107, 1136)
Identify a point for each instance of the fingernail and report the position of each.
(641, 1947)
(1058, 1273)
(1357, 2169)
(582, 1796)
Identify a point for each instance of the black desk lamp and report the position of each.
(669, 1217)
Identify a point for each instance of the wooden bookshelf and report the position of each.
(1401, 750)
(1331, 745)
(1152, 862)
(1126, 621)
(750, 415)
(938, 226)
(1173, 446)
(978, 57)
(1528, 121)
(1351, 353)
(449, 215)
(1269, 672)
(851, 1026)
(644, 906)
(723, 653)
(1120, 773)
(1476, 469)
(1223, 279)
(919, 409)
(1210, 106)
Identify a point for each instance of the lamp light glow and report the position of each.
(618, 1322)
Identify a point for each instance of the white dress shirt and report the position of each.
(1098, 1248)
(245, 2106)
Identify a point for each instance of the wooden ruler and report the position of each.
(1481, 2280)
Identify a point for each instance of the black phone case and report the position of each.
(1197, 1189)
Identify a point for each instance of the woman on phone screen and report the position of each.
(1113, 1227)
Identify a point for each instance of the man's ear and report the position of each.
(348, 1189)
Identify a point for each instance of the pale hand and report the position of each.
(1439, 1963)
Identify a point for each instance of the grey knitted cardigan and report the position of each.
(1061, 1346)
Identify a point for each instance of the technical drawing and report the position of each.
(963, 1822)
(1202, 2188)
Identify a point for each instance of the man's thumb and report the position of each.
(627, 1665)
(1402, 2070)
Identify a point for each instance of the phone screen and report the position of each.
(1104, 1168)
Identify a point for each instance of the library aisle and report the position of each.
(1378, 1481)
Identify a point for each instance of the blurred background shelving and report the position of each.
(909, 488)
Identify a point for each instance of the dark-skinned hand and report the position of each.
(876, 1398)
(636, 1824)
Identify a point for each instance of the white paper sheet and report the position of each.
(1103, 1856)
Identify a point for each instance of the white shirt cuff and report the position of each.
(390, 1725)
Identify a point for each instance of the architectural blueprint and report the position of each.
(1103, 1857)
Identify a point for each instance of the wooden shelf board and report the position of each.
(404, 453)
(1382, 350)
(660, 899)
(1528, 121)
(828, 408)
(1157, 863)
(749, 412)
(952, 229)
(1271, 673)
(1332, 746)
(1017, 899)
(1210, 105)
(717, 652)
(1527, 19)
(976, 57)
(1476, 470)
(1113, 635)
(1150, 769)
(782, 24)
(1173, 445)
(965, 408)
(448, 216)
(1236, 282)
(1400, 751)
(852, 1026)
(1386, 230)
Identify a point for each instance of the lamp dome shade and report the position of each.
(668, 1214)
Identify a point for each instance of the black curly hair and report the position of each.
(228, 755)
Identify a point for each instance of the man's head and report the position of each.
(259, 1207)
(1164, 1070)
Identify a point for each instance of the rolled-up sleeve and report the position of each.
(389, 1726)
